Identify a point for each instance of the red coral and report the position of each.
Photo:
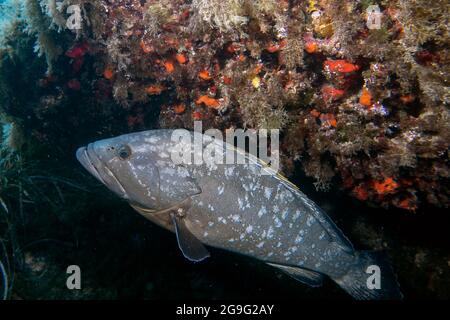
(340, 66)
(207, 101)
(361, 193)
(385, 187)
(330, 93)
(78, 50)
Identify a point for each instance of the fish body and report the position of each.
(245, 208)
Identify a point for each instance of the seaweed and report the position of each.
(227, 16)
(5, 281)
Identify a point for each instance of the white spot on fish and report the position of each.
(169, 171)
(278, 223)
(143, 148)
(220, 190)
(160, 163)
(270, 233)
(298, 239)
(260, 245)
(236, 218)
(152, 139)
(141, 183)
(267, 193)
(262, 212)
(309, 221)
(182, 172)
(240, 203)
(249, 229)
(248, 202)
(229, 171)
(222, 219)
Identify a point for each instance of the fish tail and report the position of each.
(371, 278)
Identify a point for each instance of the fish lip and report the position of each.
(85, 159)
(92, 163)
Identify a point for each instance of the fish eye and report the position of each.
(124, 152)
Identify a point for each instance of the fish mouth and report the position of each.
(85, 160)
(92, 163)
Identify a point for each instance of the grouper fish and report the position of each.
(237, 208)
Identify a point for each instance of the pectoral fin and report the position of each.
(189, 245)
(311, 278)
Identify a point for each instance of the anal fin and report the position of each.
(190, 246)
(311, 278)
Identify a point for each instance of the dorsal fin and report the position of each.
(325, 221)
(330, 227)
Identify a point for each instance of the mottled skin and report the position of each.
(233, 207)
(262, 216)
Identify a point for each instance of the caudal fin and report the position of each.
(371, 278)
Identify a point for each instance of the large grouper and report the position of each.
(244, 208)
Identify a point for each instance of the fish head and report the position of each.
(126, 165)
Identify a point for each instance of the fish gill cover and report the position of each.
(363, 113)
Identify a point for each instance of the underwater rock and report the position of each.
(254, 64)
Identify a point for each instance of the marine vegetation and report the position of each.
(356, 106)
(363, 112)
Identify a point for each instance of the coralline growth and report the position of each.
(367, 107)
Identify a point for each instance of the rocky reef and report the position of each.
(364, 108)
(363, 111)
